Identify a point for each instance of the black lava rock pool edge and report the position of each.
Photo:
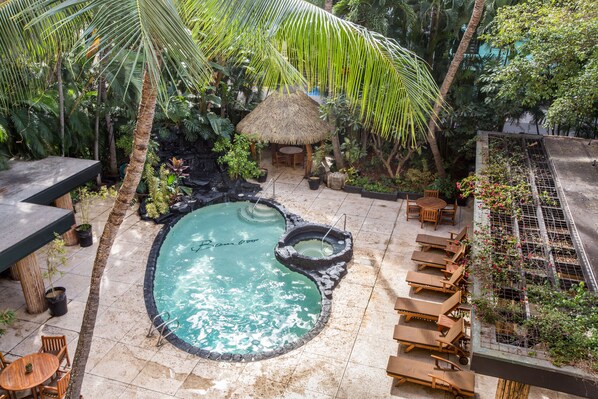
(325, 274)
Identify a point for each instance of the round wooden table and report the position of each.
(296, 154)
(14, 378)
(430, 203)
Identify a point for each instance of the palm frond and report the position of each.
(391, 86)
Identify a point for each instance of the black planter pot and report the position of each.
(378, 195)
(314, 182)
(57, 301)
(352, 189)
(263, 176)
(85, 235)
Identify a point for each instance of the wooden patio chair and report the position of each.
(431, 193)
(454, 342)
(424, 310)
(428, 241)
(412, 209)
(425, 281)
(278, 158)
(58, 388)
(448, 213)
(56, 346)
(3, 362)
(429, 215)
(446, 378)
(438, 260)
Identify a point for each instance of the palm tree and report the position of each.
(293, 43)
(476, 16)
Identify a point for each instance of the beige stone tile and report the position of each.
(110, 290)
(345, 318)
(115, 323)
(72, 319)
(134, 392)
(333, 343)
(302, 393)
(75, 284)
(383, 299)
(99, 387)
(11, 297)
(318, 373)
(211, 380)
(361, 274)
(336, 195)
(132, 299)
(99, 348)
(164, 373)
(124, 271)
(122, 363)
(16, 333)
(378, 324)
(373, 351)
(383, 211)
(251, 386)
(350, 294)
(381, 226)
(279, 369)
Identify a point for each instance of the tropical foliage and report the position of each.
(555, 60)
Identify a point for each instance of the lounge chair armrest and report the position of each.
(446, 283)
(439, 359)
(435, 377)
(49, 388)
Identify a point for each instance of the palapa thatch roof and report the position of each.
(286, 118)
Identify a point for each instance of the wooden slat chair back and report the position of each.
(412, 209)
(58, 391)
(461, 236)
(447, 215)
(454, 334)
(431, 193)
(3, 362)
(457, 277)
(57, 346)
(451, 304)
(429, 215)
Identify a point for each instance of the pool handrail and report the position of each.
(272, 183)
(172, 329)
(334, 224)
(153, 327)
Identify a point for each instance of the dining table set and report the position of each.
(431, 208)
(36, 375)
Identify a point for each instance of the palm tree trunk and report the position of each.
(143, 127)
(112, 164)
(96, 142)
(476, 16)
(60, 99)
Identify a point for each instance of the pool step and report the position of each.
(259, 214)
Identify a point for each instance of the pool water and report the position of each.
(314, 248)
(216, 273)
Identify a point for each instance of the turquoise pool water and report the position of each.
(216, 272)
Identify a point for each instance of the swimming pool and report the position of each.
(216, 273)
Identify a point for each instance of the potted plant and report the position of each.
(55, 258)
(237, 157)
(314, 182)
(86, 196)
(259, 148)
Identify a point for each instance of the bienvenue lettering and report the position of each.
(207, 244)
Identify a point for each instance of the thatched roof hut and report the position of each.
(286, 118)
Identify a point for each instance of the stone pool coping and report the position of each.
(325, 279)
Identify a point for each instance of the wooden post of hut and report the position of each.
(32, 284)
(70, 237)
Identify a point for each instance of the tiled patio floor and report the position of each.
(346, 360)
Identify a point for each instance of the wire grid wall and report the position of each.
(546, 251)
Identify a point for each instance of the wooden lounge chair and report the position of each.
(453, 342)
(438, 260)
(452, 379)
(415, 308)
(432, 193)
(425, 281)
(56, 346)
(428, 241)
(412, 209)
